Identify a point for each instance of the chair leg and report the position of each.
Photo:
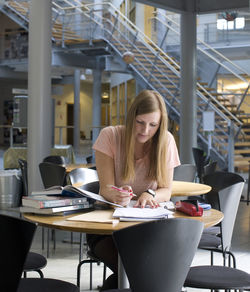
(212, 258)
(104, 273)
(42, 238)
(90, 276)
(40, 273)
(79, 271)
(81, 247)
(48, 243)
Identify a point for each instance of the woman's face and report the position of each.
(146, 126)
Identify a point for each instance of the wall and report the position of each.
(66, 98)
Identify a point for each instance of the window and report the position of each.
(238, 23)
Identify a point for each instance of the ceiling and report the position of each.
(198, 6)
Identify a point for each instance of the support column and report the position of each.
(77, 75)
(39, 90)
(96, 109)
(188, 121)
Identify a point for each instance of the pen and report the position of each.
(120, 190)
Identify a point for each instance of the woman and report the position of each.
(139, 158)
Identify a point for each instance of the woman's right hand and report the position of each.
(120, 197)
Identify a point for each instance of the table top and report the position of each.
(183, 188)
(210, 218)
(72, 166)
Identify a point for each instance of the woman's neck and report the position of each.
(141, 150)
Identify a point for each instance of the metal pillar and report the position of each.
(96, 108)
(39, 89)
(188, 124)
(77, 75)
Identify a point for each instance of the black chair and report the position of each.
(83, 175)
(24, 171)
(183, 172)
(225, 196)
(217, 278)
(91, 257)
(200, 159)
(52, 174)
(14, 247)
(34, 261)
(55, 159)
(247, 200)
(210, 168)
(157, 255)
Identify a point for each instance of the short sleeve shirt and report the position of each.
(111, 141)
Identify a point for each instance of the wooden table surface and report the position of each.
(72, 166)
(183, 188)
(210, 218)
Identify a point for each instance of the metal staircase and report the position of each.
(75, 23)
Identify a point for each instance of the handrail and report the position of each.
(211, 97)
(212, 49)
(212, 57)
(131, 24)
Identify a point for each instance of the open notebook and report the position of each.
(125, 214)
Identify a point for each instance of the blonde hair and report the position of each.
(147, 101)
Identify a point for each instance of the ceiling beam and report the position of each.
(76, 60)
(198, 6)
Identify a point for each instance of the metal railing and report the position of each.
(157, 69)
(212, 66)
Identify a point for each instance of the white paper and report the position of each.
(142, 213)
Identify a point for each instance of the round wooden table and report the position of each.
(183, 188)
(72, 166)
(209, 218)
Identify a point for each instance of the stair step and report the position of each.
(244, 144)
(242, 151)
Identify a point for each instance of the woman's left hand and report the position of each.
(146, 199)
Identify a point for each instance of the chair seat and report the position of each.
(210, 242)
(42, 285)
(217, 277)
(34, 261)
(212, 230)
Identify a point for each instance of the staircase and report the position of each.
(75, 23)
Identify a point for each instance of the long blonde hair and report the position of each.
(147, 101)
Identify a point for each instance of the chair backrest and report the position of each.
(83, 175)
(157, 255)
(24, 171)
(225, 196)
(200, 160)
(185, 172)
(16, 239)
(52, 174)
(55, 159)
(91, 187)
(210, 168)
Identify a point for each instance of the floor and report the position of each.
(63, 260)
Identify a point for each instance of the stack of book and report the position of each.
(60, 201)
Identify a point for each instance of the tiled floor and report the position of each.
(62, 262)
